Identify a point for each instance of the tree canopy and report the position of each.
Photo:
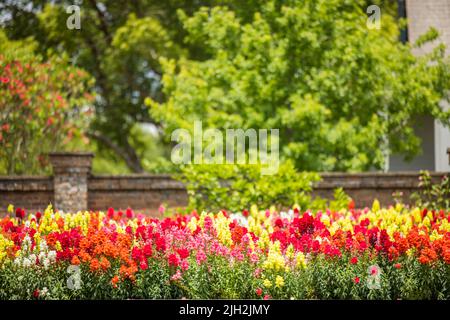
(341, 94)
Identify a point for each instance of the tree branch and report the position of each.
(103, 23)
(132, 161)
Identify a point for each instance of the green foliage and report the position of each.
(234, 187)
(43, 105)
(312, 69)
(323, 278)
(340, 200)
(432, 195)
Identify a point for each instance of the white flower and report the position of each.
(41, 256)
(26, 262)
(17, 261)
(287, 215)
(27, 240)
(43, 245)
(239, 218)
(32, 258)
(46, 263)
(43, 292)
(52, 255)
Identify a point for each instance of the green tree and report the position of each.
(43, 105)
(340, 93)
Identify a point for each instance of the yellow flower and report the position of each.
(376, 205)
(10, 208)
(192, 224)
(275, 260)
(435, 235)
(300, 260)
(58, 246)
(290, 251)
(221, 224)
(267, 283)
(279, 281)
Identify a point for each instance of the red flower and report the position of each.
(110, 213)
(20, 213)
(397, 266)
(267, 297)
(136, 254)
(36, 293)
(183, 253)
(143, 264)
(245, 213)
(351, 205)
(129, 213)
(356, 280)
(173, 260)
(148, 250)
(38, 215)
(259, 292)
(279, 223)
(6, 127)
(354, 260)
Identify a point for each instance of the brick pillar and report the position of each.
(71, 171)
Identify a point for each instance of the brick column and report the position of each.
(71, 171)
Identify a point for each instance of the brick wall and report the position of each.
(33, 193)
(144, 193)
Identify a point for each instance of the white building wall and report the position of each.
(421, 15)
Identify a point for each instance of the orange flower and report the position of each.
(427, 255)
(114, 281)
(104, 263)
(75, 260)
(84, 243)
(95, 265)
(85, 257)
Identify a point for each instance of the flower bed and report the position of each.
(394, 253)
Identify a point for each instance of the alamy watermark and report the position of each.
(211, 146)
(374, 18)
(74, 19)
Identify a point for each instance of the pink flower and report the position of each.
(176, 276)
(184, 265)
(373, 270)
(201, 256)
(254, 258)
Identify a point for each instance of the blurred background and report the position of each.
(350, 89)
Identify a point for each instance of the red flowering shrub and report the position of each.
(43, 104)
